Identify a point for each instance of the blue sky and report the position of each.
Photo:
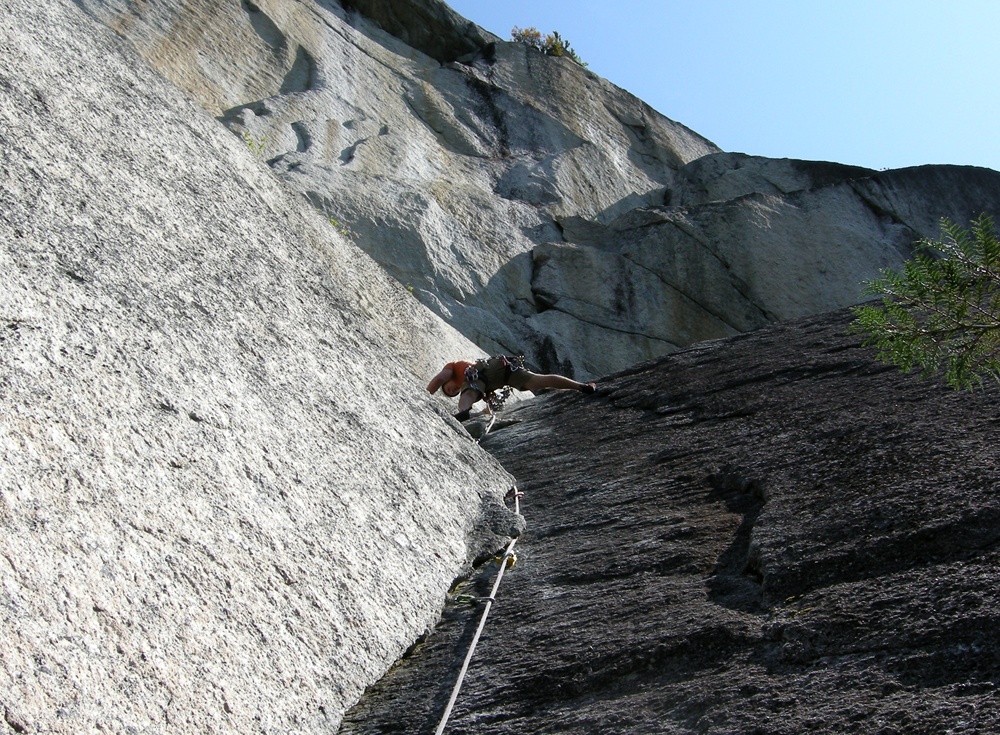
(876, 83)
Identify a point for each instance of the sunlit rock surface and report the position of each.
(227, 503)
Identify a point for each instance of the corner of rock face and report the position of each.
(768, 533)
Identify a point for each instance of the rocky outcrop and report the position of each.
(529, 203)
(227, 503)
(755, 241)
(767, 533)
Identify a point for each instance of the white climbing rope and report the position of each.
(506, 560)
(493, 418)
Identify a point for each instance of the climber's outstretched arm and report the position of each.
(440, 379)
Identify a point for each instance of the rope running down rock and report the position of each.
(505, 561)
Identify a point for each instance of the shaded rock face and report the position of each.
(529, 203)
(768, 533)
(226, 502)
(429, 26)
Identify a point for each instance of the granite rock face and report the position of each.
(528, 202)
(227, 504)
(768, 533)
(448, 174)
(754, 241)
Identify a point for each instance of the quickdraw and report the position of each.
(496, 399)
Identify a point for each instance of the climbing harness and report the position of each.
(488, 377)
(507, 560)
(493, 373)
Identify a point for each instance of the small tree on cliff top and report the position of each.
(941, 313)
(551, 45)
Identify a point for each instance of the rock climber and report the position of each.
(491, 380)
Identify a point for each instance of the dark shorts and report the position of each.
(494, 375)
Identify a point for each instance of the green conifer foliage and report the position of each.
(940, 314)
(551, 45)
